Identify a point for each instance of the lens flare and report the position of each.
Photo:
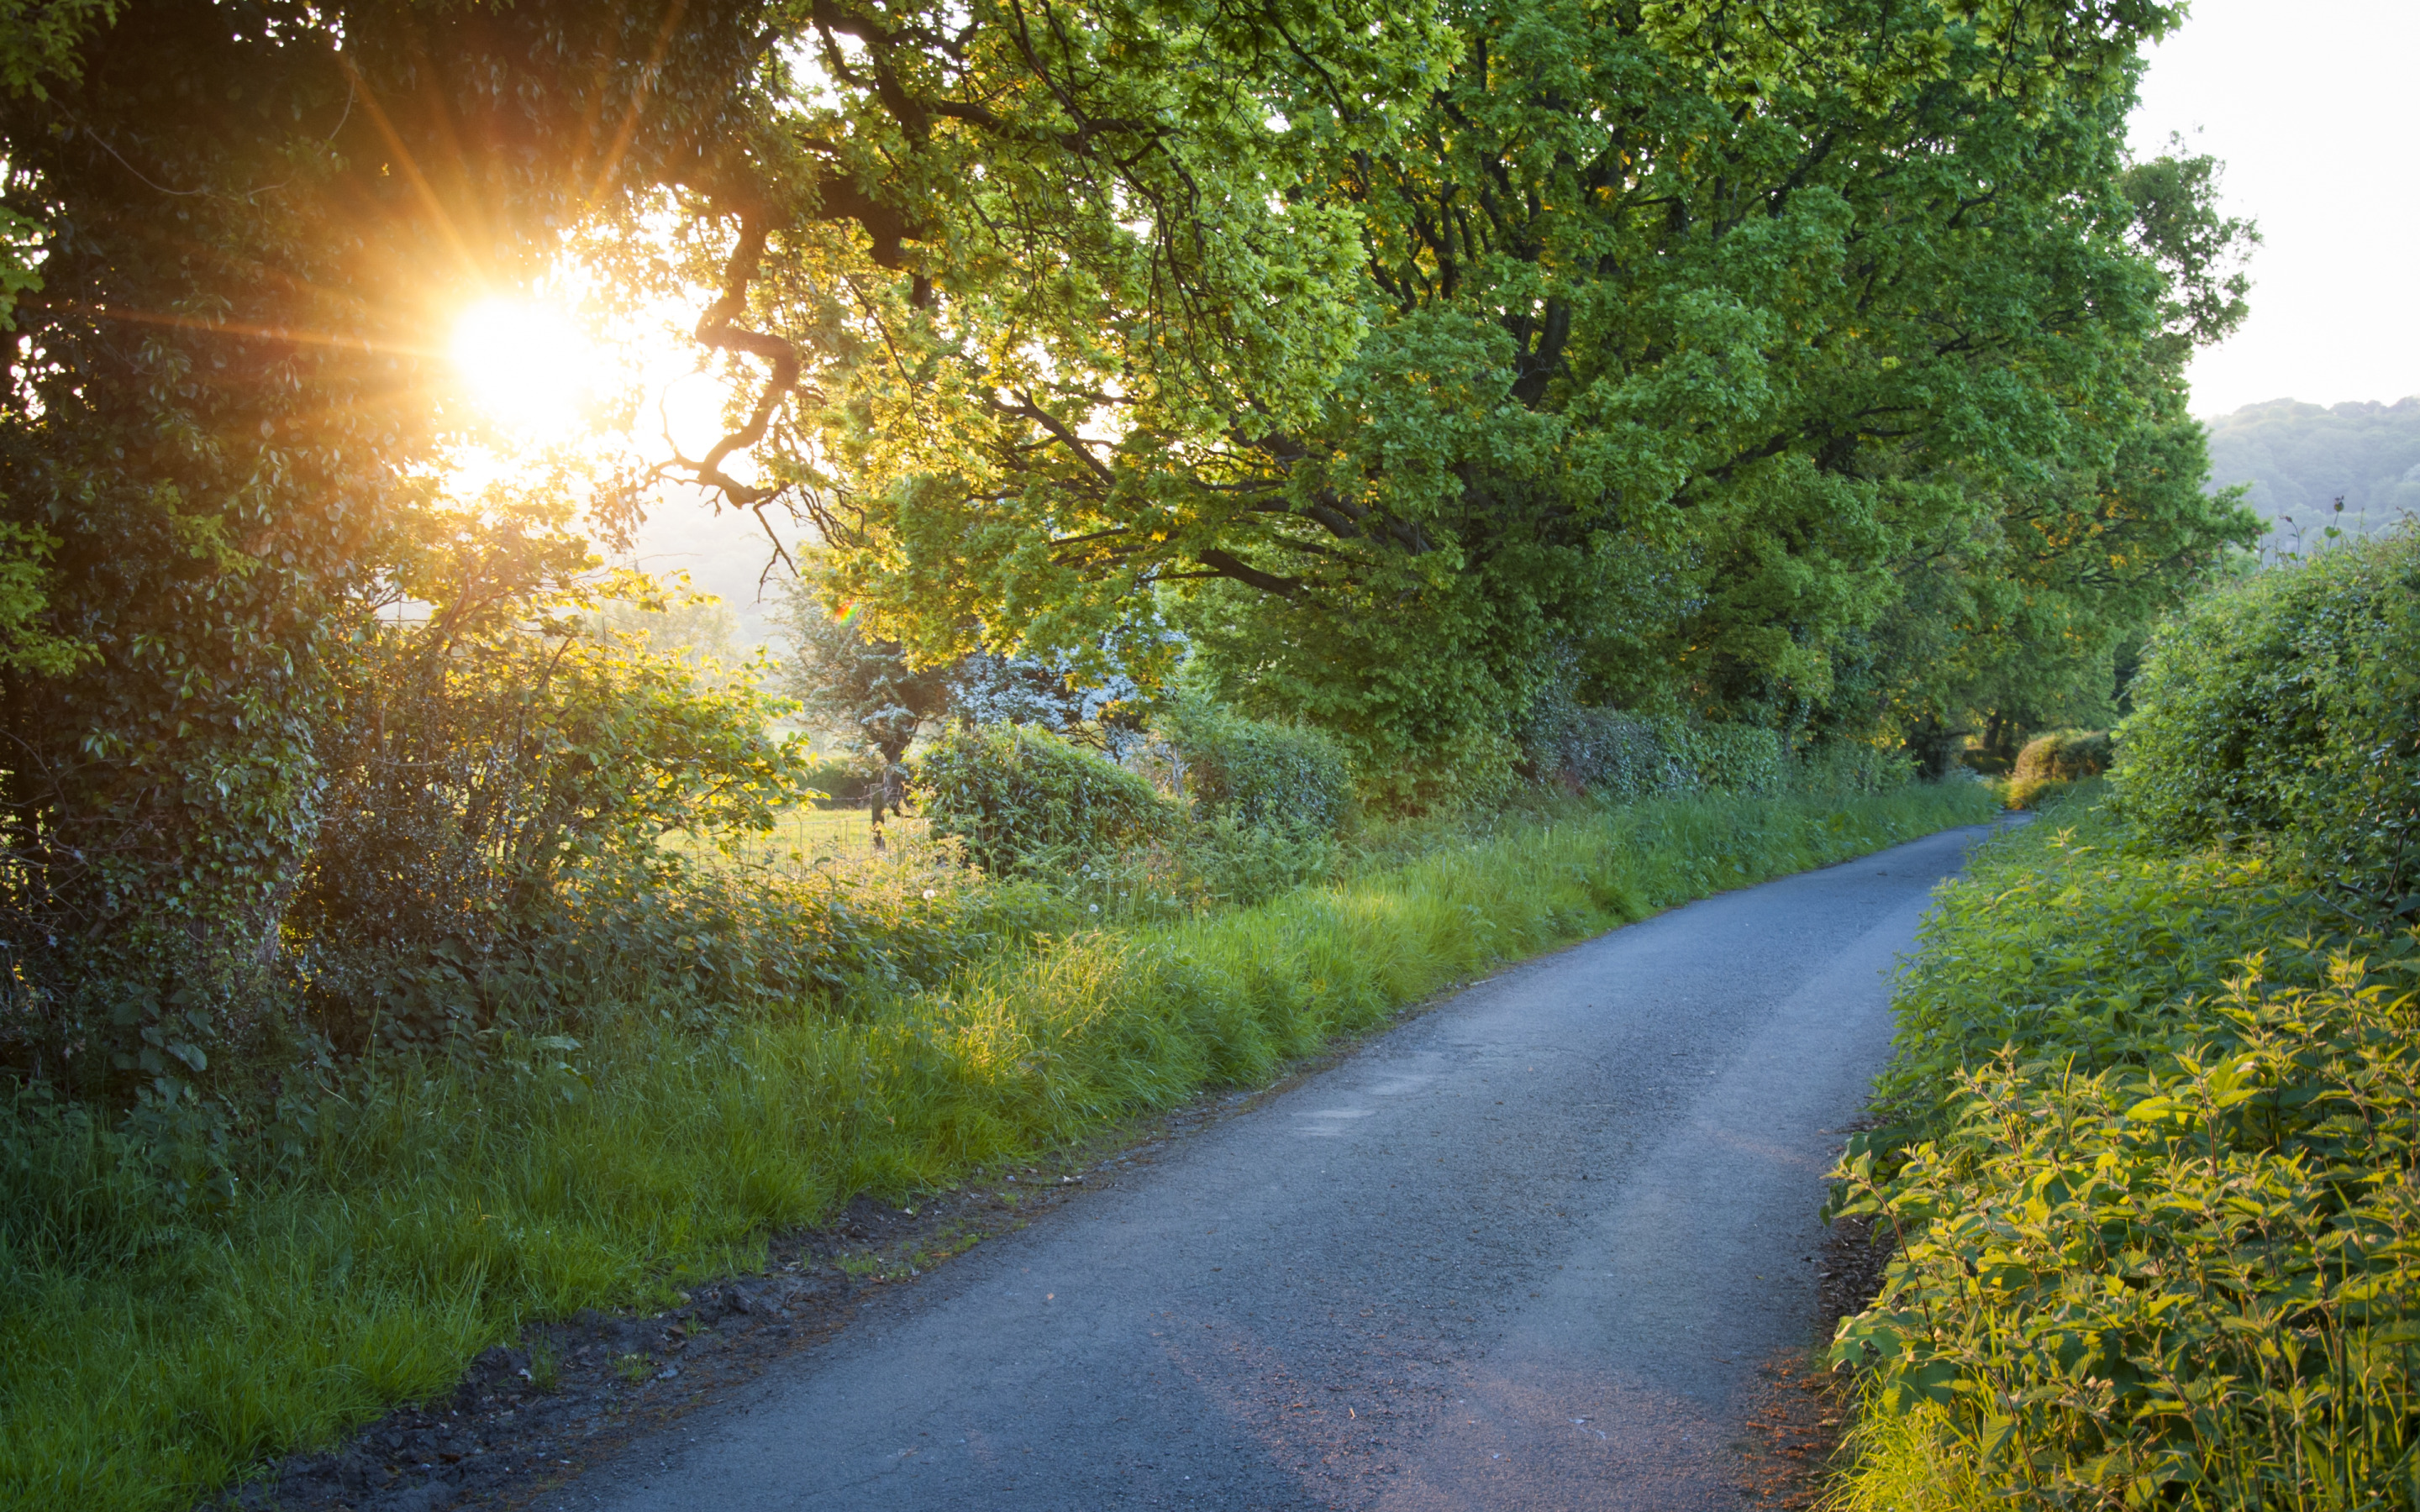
(528, 366)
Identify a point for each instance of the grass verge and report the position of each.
(434, 1211)
(2156, 1186)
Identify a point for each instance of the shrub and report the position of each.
(1851, 766)
(1623, 757)
(2064, 756)
(1604, 751)
(2032, 792)
(1258, 773)
(1020, 796)
(1734, 758)
(2145, 1150)
(2286, 708)
(468, 773)
(489, 790)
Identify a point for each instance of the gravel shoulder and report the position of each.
(1532, 1248)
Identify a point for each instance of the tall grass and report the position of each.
(433, 1211)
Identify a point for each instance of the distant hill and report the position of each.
(2299, 458)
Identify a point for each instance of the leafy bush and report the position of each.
(2064, 756)
(476, 778)
(2285, 710)
(1851, 766)
(2033, 791)
(1604, 751)
(1019, 797)
(1623, 757)
(1258, 773)
(2148, 1256)
(1733, 758)
(491, 789)
(1215, 863)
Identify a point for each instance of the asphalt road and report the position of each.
(1525, 1251)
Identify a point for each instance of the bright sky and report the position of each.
(2310, 103)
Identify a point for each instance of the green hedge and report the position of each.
(2286, 710)
(2152, 1129)
(2064, 756)
(1733, 758)
(1625, 757)
(1260, 774)
(1019, 795)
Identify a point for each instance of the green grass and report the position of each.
(806, 834)
(434, 1212)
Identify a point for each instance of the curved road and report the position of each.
(1525, 1251)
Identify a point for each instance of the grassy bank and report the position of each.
(2157, 1185)
(433, 1209)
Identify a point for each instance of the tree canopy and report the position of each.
(1805, 363)
(1682, 339)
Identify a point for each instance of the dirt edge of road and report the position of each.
(1802, 1408)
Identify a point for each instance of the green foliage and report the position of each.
(863, 690)
(2151, 1135)
(2285, 710)
(1622, 757)
(223, 409)
(1023, 798)
(1851, 766)
(1258, 773)
(382, 1238)
(2065, 756)
(2051, 764)
(1567, 744)
(2148, 1180)
(1733, 758)
(1591, 358)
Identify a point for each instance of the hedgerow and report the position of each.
(1022, 797)
(1259, 773)
(2285, 713)
(2152, 1148)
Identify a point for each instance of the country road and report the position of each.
(1525, 1251)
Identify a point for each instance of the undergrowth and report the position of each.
(2154, 1165)
(429, 1207)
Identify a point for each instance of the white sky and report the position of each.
(2311, 106)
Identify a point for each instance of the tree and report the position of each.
(865, 691)
(1670, 334)
(221, 416)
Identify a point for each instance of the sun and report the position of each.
(528, 366)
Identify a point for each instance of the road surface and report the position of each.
(1525, 1251)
